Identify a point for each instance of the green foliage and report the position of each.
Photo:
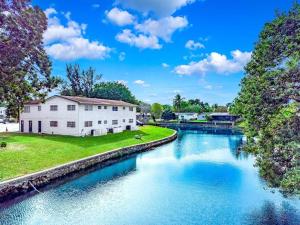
(3, 144)
(79, 82)
(156, 110)
(113, 90)
(25, 66)
(269, 101)
(191, 105)
(168, 115)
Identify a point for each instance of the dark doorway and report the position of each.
(128, 127)
(40, 126)
(30, 126)
(92, 132)
(110, 130)
(22, 126)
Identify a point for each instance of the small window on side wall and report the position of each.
(71, 107)
(53, 123)
(27, 109)
(130, 108)
(53, 107)
(39, 108)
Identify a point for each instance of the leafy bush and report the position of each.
(168, 115)
(3, 144)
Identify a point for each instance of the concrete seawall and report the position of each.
(16, 187)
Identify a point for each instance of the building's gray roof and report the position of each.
(87, 101)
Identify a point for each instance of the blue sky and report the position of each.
(160, 47)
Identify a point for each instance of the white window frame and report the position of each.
(27, 109)
(71, 124)
(71, 107)
(53, 107)
(88, 123)
(54, 125)
(88, 107)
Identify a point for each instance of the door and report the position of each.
(30, 126)
(40, 126)
(22, 126)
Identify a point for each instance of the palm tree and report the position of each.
(177, 102)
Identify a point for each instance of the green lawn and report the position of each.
(27, 153)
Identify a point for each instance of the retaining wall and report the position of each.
(19, 186)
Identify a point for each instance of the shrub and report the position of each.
(3, 144)
(168, 115)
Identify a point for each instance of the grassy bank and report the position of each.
(28, 153)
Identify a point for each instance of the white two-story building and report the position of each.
(77, 116)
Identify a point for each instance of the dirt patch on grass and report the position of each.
(13, 147)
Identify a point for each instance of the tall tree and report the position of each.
(269, 101)
(79, 82)
(177, 102)
(25, 69)
(156, 110)
(113, 90)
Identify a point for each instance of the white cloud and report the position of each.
(76, 48)
(120, 17)
(208, 87)
(161, 8)
(141, 83)
(50, 11)
(162, 28)
(66, 42)
(122, 82)
(192, 45)
(216, 62)
(122, 56)
(140, 41)
(96, 6)
(165, 65)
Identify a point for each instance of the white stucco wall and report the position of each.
(79, 116)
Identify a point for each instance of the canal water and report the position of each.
(201, 178)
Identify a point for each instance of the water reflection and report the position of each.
(198, 179)
(269, 214)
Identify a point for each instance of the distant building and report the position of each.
(202, 116)
(77, 116)
(223, 117)
(187, 116)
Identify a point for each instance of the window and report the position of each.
(88, 107)
(39, 108)
(53, 107)
(130, 120)
(99, 122)
(124, 108)
(124, 120)
(130, 108)
(115, 108)
(88, 123)
(71, 124)
(105, 107)
(27, 109)
(105, 121)
(71, 107)
(53, 123)
(99, 107)
(114, 122)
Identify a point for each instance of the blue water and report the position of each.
(197, 179)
